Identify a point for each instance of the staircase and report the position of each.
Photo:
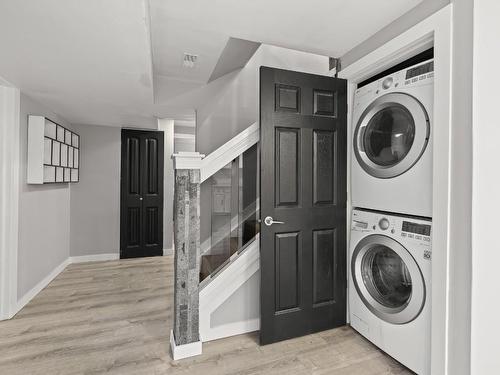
(229, 300)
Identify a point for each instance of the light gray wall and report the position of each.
(461, 190)
(234, 105)
(95, 200)
(485, 332)
(167, 126)
(242, 305)
(44, 213)
(184, 144)
(185, 135)
(403, 23)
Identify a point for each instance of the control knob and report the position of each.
(386, 83)
(383, 224)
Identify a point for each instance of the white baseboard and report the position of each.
(167, 252)
(231, 329)
(184, 351)
(23, 301)
(94, 258)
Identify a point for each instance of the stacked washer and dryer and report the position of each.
(391, 194)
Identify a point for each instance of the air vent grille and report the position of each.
(189, 60)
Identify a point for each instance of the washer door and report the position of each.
(388, 279)
(391, 135)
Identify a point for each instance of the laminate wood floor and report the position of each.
(115, 317)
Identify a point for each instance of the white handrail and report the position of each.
(229, 151)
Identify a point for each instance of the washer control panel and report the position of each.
(404, 228)
(383, 223)
(415, 230)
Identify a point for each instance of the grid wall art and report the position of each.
(53, 152)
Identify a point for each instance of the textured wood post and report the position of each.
(187, 254)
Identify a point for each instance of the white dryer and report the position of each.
(390, 283)
(391, 163)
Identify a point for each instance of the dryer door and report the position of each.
(391, 135)
(388, 279)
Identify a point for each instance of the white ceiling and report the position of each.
(326, 27)
(87, 60)
(119, 62)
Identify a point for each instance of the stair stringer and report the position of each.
(223, 286)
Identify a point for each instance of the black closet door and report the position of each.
(141, 226)
(303, 249)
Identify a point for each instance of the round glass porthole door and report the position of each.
(391, 135)
(388, 279)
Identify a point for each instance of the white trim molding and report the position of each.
(184, 351)
(9, 198)
(42, 284)
(225, 284)
(435, 30)
(168, 252)
(229, 151)
(187, 160)
(184, 136)
(94, 258)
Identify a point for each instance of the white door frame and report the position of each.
(435, 30)
(9, 197)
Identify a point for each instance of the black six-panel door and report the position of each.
(141, 226)
(303, 186)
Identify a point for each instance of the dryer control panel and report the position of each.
(419, 74)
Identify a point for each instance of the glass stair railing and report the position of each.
(231, 222)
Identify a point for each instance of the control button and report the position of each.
(403, 234)
(407, 82)
(387, 83)
(418, 237)
(393, 231)
(410, 235)
(383, 223)
(428, 239)
(376, 92)
(374, 227)
(396, 84)
(414, 80)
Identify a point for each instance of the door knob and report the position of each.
(140, 198)
(269, 221)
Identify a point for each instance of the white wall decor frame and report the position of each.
(435, 30)
(9, 197)
(53, 152)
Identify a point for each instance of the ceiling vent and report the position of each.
(189, 60)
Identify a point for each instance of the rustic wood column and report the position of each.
(185, 339)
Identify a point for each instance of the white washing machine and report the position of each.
(391, 163)
(390, 284)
